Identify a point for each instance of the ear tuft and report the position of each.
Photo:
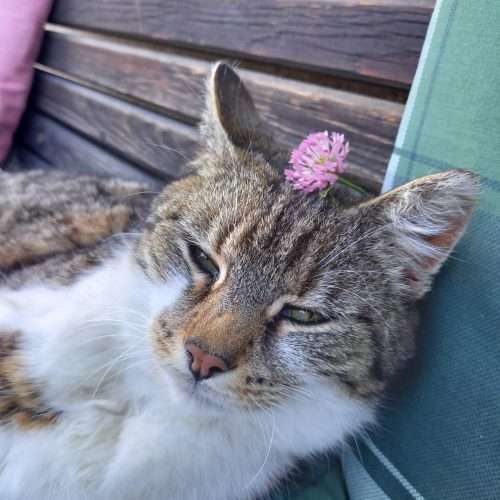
(428, 217)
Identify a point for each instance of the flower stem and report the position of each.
(351, 185)
(324, 192)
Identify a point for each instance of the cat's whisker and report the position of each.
(122, 323)
(109, 368)
(133, 363)
(168, 148)
(123, 349)
(111, 323)
(89, 330)
(138, 193)
(350, 292)
(295, 393)
(118, 322)
(123, 310)
(137, 362)
(369, 234)
(267, 455)
(99, 338)
(127, 310)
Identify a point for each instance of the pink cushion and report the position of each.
(21, 28)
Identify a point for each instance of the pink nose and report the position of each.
(202, 364)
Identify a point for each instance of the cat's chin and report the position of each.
(195, 395)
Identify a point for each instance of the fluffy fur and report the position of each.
(101, 362)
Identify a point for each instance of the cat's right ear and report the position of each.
(231, 123)
(421, 222)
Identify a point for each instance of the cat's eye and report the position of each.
(303, 316)
(203, 261)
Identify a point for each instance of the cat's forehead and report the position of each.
(267, 213)
(256, 218)
(272, 237)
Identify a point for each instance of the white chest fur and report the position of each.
(124, 432)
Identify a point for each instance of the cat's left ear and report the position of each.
(231, 120)
(425, 219)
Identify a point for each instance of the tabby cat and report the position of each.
(245, 327)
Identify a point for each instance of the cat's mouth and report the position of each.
(205, 396)
(198, 392)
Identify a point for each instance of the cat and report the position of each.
(247, 326)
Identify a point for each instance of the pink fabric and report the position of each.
(21, 29)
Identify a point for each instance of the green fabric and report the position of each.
(317, 480)
(440, 433)
(359, 483)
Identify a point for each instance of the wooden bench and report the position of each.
(119, 85)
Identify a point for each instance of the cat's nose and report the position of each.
(203, 365)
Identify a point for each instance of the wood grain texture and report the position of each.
(168, 80)
(376, 40)
(176, 83)
(295, 110)
(62, 148)
(147, 139)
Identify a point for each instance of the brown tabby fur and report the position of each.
(53, 225)
(362, 265)
(19, 399)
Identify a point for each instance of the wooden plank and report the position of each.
(176, 83)
(145, 138)
(379, 40)
(295, 109)
(168, 80)
(64, 149)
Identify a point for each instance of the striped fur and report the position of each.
(95, 387)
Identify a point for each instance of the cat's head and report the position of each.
(285, 292)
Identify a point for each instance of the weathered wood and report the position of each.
(64, 149)
(148, 139)
(379, 40)
(295, 109)
(168, 80)
(176, 83)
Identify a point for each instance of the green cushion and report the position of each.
(440, 432)
(319, 479)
